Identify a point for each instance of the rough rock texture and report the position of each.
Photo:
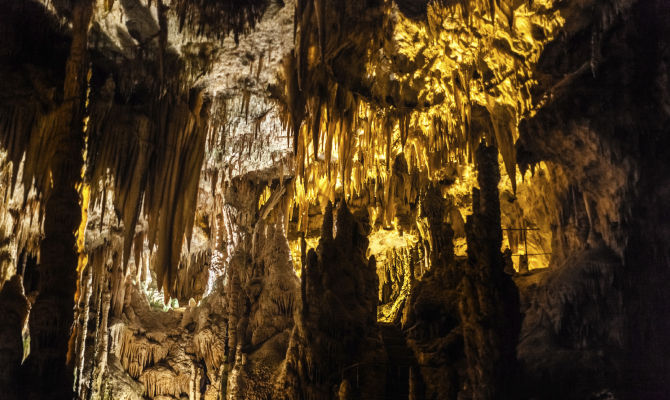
(573, 330)
(489, 302)
(398, 270)
(432, 324)
(228, 346)
(462, 319)
(168, 354)
(51, 314)
(14, 310)
(605, 126)
(145, 165)
(335, 338)
(269, 301)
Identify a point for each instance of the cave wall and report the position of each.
(605, 127)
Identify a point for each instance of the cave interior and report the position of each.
(334, 199)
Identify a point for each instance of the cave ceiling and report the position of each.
(326, 96)
(262, 198)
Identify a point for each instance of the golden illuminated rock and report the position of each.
(226, 199)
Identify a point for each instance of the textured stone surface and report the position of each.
(218, 134)
(335, 336)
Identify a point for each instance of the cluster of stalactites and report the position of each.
(154, 172)
(219, 18)
(20, 224)
(398, 272)
(136, 353)
(192, 276)
(431, 90)
(129, 154)
(28, 141)
(150, 156)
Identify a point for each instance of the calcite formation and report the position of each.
(334, 199)
(14, 307)
(489, 301)
(335, 338)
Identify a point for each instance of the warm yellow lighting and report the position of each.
(436, 86)
(264, 197)
(84, 193)
(294, 245)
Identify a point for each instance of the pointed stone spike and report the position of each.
(327, 227)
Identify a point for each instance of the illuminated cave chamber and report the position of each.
(334, 199)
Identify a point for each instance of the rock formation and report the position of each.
(14, 308)
(489, 301)
(335, 343)
(334, 199)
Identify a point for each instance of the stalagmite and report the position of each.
(489, 302)
(14, 308)
(86, 284)
(101, 351)
(51, 314)
(342, 296)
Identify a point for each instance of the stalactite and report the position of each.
(316, 128)
(163, 381)
(100, 286)
(234, 310)
(219, 18)
(181, 128)
(504, 126)
(135, 353)
(82, 266)
(365, 101)
(192, 276)
(398, 271)
(320, 7)
(209, 349)
(101, 351)
(86, 282)
(445, 122)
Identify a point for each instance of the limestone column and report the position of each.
(48, 374)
